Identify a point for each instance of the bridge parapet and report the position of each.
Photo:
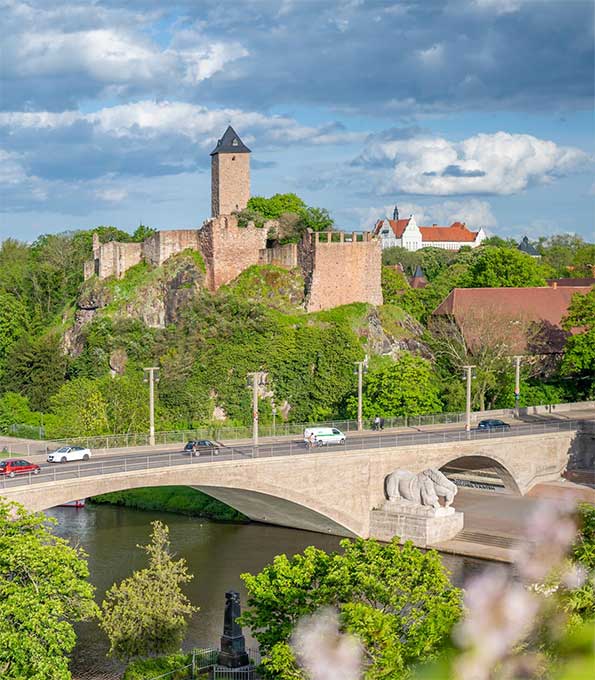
(331, 490)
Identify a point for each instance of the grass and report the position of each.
(181, 500)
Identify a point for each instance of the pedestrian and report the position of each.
(310, 440)
(381, 423)
(376, 425)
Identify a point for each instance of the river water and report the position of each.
(216, 554)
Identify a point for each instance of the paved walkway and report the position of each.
(494, 521)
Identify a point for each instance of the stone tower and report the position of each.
(230, 174)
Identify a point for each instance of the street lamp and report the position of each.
(517, 385)
(361, 368)
(151, 376)
(256, 380)
(469, 368)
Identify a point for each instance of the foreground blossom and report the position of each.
(324, 652)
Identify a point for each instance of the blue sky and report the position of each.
(477, 110)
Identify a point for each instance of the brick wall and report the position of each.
(228, 249)
(230, 182)
(163, 244)
(340, 272)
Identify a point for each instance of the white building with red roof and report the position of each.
(407, 234)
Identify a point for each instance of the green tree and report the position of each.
(396, 599)
(496, 267)
(273, 207)
(14, 319)
(79, 409)
(579, 351)
(394, 284)
(147, 613)
(14, 409)
(317, 219)
(35, 367)
(404, 387)
(43, 590)
(142, 232)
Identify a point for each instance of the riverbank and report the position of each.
(181, 500)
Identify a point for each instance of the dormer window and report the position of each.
(235, 142)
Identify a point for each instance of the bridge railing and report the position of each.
(140, 462)
(283, 429)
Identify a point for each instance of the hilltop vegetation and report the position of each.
(72, 352)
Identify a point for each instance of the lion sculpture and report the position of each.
(423, 488)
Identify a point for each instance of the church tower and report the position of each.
(230, 174)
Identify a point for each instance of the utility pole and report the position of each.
(259, 378)
(152, 378)
(517, 385)
(469, 369)
(362, 366)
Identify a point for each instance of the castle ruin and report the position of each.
(338, 269)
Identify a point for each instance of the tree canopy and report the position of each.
(43, 590)
(397, 600)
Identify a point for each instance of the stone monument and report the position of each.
(413, 510)
(233, 644)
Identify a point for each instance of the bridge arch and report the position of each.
(486, 461)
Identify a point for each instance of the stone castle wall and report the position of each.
(228, 249)
(112, 259)
(230, 183)
(163, 244)
(280, 256)
(338, 271)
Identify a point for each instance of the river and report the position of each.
(216, 554)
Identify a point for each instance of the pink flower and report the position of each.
(324, 652)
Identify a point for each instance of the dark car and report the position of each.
(492, 424)
(197, 446)
(17, 466)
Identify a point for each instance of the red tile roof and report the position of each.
(545, 305)
(398, 226)
(456, 232)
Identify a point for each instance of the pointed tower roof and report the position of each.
(230, 143)
(419, 278)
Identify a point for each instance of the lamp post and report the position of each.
(468, 369)
(152, 376)
(361, 368)
(517, 385)
(256, 380)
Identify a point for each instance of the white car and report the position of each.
(67, 453)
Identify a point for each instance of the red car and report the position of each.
(17, 466)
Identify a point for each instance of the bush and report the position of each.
(145, 669)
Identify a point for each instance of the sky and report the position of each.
(472, 110)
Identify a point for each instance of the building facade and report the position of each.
(407, 234)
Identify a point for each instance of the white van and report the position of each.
(321, 436)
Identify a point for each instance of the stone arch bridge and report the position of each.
(330, 490)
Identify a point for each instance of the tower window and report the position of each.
(233, 158)
(235, 142)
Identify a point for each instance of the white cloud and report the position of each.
(499, 163)
(473, 212)
(106, 52)
(113, 195)
(149, 119)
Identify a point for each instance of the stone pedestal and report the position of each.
(421, 524)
